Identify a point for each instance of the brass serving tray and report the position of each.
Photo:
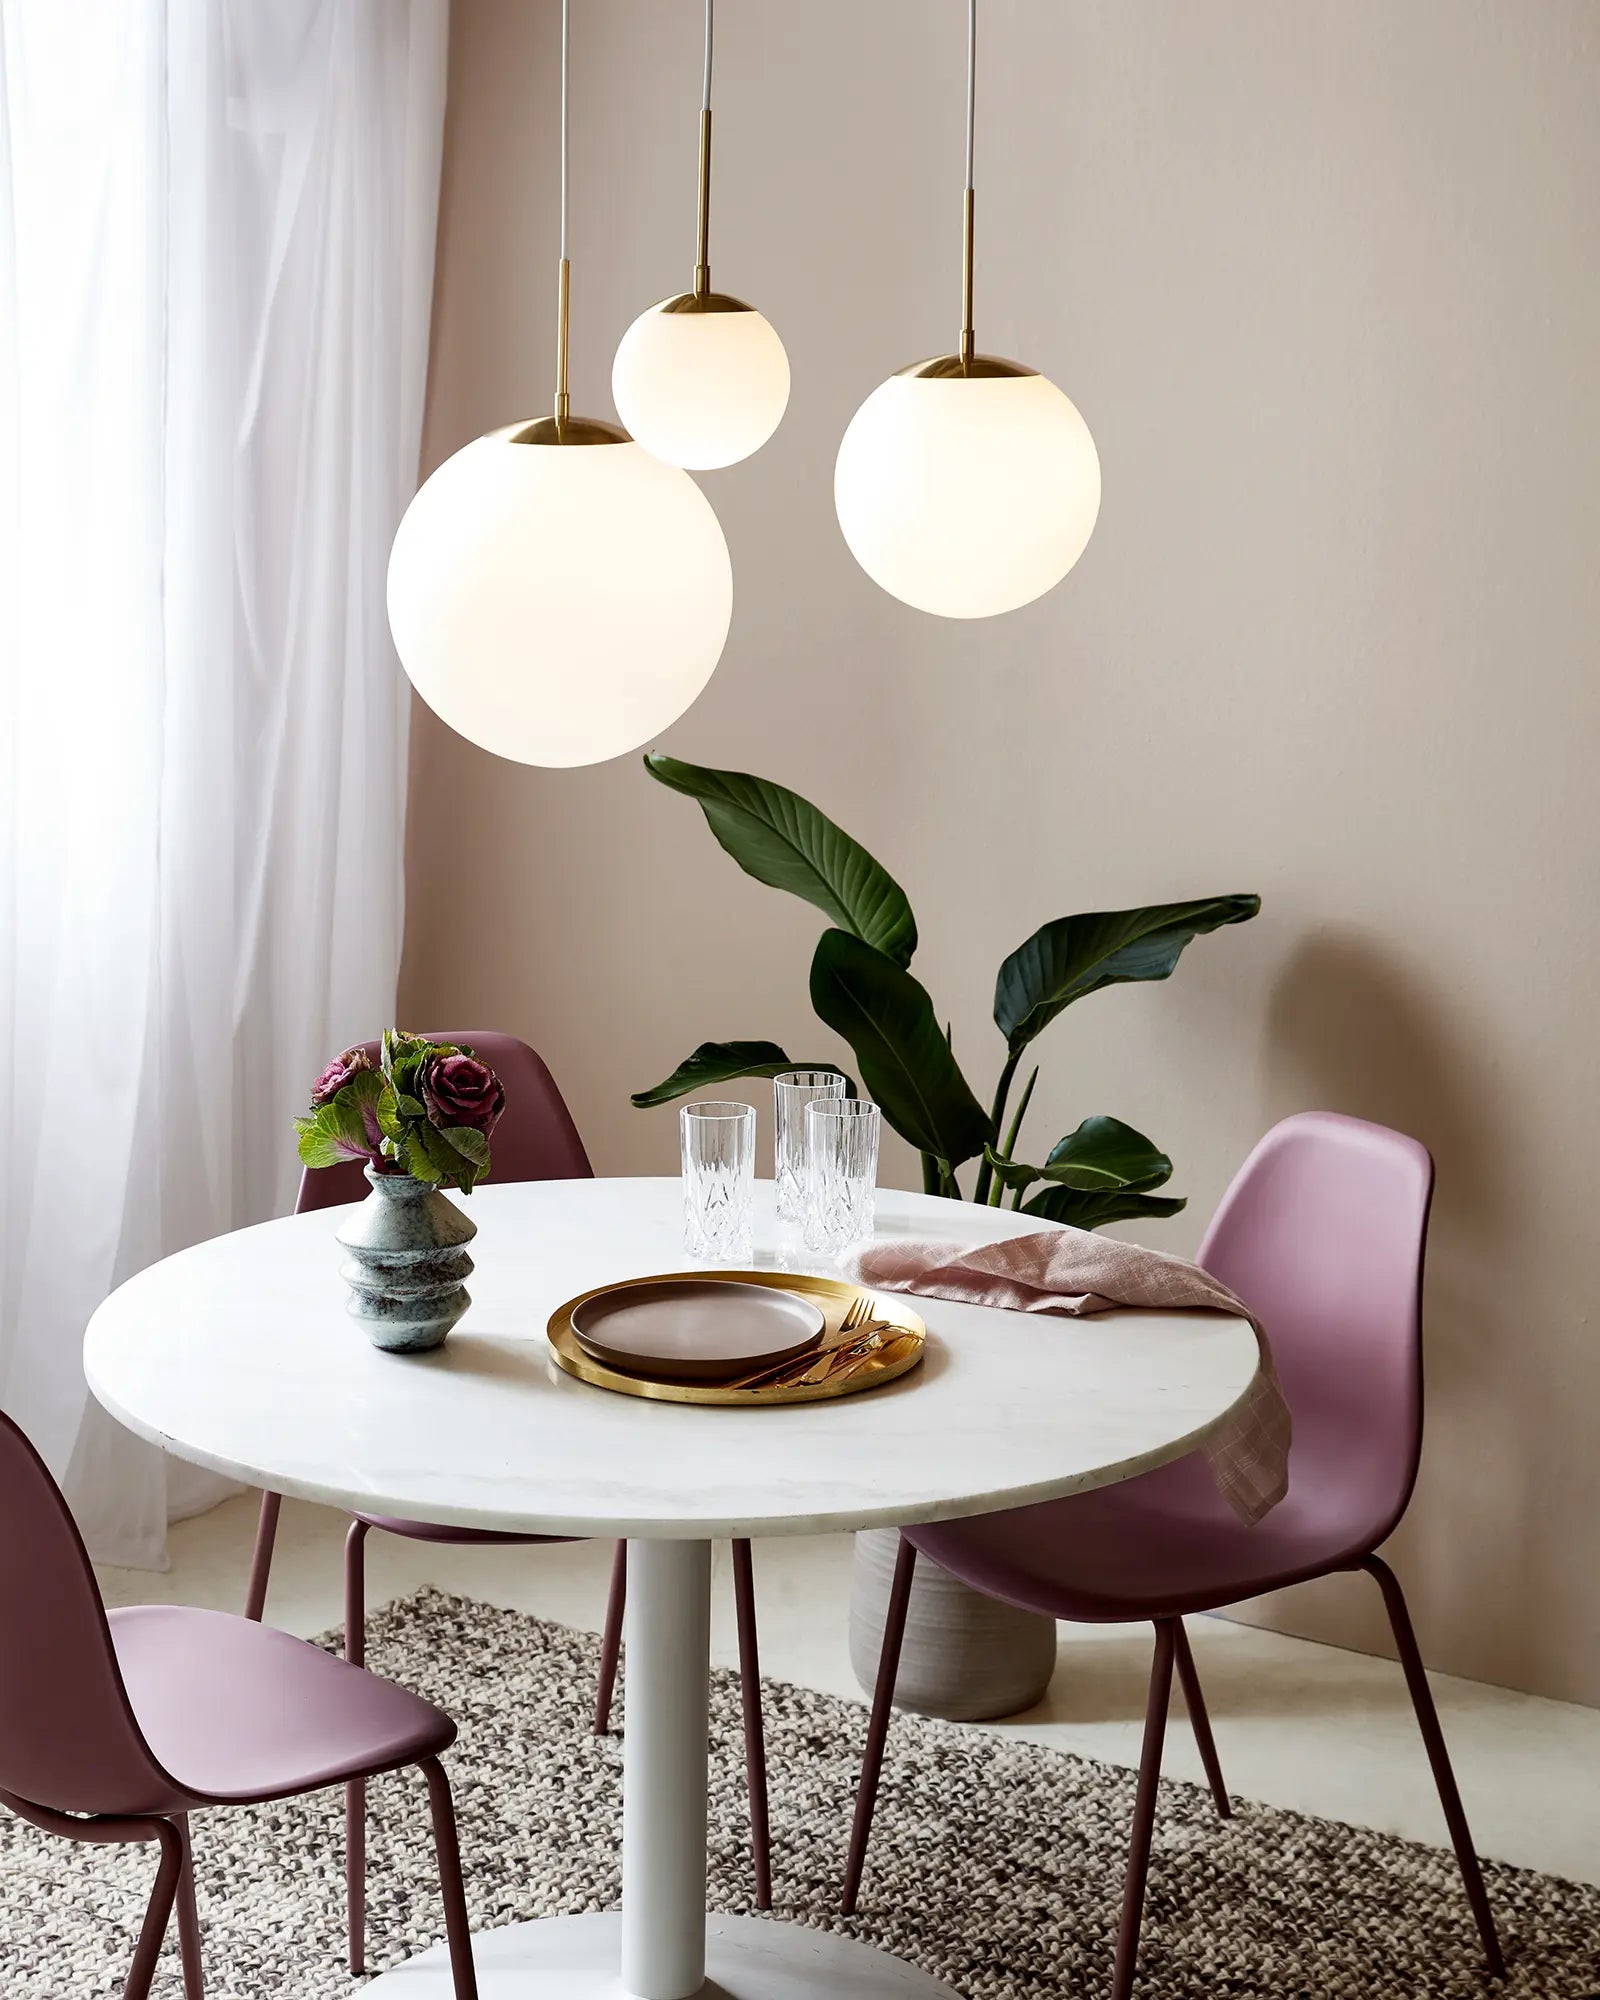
(833, 1295)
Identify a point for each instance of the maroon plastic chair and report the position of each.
(116, 1729)
(1322, 1233)
(535, 1140)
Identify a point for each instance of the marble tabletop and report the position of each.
(238, 1355)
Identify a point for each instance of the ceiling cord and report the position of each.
(972, 77)
(566, 36)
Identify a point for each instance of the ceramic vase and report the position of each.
(408, 1256)
(966, 1657)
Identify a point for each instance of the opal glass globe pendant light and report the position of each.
(701, 379)
(967, 485)
(556, 594)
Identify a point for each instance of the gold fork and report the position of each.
(855, 1320)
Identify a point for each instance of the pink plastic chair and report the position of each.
(1323, 1233)
(535, 1140)
(115, 1730)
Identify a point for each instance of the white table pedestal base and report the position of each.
(747, 1958)
(662, 1945)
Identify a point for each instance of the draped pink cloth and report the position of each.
(1075, 1272)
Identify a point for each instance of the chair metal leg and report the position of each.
(158, 1914)
(457, 1926)
(755, 1736)
(894, 1631)
(1144, 1810)
(194, 1978)
(1195, 1702)
(1405, 1640)
(611, 1643)
(255, 1597)
(355, 1793)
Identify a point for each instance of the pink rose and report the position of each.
(342, 1070)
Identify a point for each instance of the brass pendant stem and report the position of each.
(968, 341)
(969, 345)
(563, 402)
(702, 253)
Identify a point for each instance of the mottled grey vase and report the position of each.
(966, 1657)
(408, 1257)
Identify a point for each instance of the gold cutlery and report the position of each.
(882, 1354)
(858, 1322)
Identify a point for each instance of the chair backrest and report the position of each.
(535, 1139)
(1322, 1234)
(68, 1738)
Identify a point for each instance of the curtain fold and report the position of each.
(216, 268)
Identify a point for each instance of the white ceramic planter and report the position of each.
(966, 1657)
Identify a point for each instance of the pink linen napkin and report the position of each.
(1075, 1272)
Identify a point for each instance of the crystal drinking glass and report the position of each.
(719, 1167)
(791, 1093)
(841, 1170)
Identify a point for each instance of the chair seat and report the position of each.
(238, 1712)
(438, 1531)
(1160, 1545)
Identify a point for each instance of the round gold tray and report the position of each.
(833, 1295)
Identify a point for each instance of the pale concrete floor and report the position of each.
(1297, 1724)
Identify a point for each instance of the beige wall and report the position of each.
(1322, 275)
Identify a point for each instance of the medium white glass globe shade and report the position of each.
(559, 603)
(967, 494)
(701, 382)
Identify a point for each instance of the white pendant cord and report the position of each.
(972, 79)
(562, 405)
(705, 88)
(566, 34)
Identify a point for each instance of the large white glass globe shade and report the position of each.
(967, 495)
(700, 388)
(559, 603)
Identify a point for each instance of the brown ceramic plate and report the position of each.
(695, 1330)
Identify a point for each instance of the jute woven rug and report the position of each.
(995, 1865)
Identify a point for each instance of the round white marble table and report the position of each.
(238, 1355)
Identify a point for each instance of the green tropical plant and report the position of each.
(862, 988)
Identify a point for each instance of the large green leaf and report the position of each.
(1095, 1211)
(1078, 955)
(1102, 1156)
(782, 840)
(352, 1126)
(1105, 1153)
(721, 1062)
(905, 1060)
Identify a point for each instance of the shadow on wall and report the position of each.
(1352, 1028)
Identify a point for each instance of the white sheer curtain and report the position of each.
(216, 263)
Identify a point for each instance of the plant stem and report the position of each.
(1008, 1150)
(949, 1185)
(930, 1174)
(1002, 1091)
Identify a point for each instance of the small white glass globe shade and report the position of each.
(701, 382)
(559, 604)
(967, 495)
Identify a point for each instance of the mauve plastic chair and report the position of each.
(1322, 1232)
(535, 1140)
(116, 1729)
